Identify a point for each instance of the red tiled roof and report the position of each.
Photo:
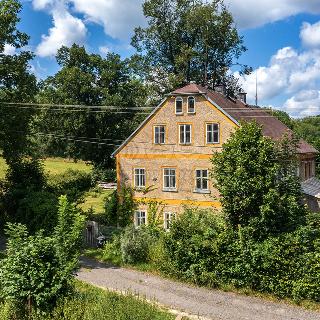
(239, 111)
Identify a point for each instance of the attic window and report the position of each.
(191, 105)
(179, 102)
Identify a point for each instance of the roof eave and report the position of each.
(223, 111)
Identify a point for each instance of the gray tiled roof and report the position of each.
(311, 187)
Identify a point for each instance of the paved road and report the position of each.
(208, 304)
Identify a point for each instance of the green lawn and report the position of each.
(95, 200)
(53, 166)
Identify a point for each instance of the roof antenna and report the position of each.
(256, 88)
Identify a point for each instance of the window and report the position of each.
(308, 170)
(159, 134)
(191, 105)
(202, 180)
(168, 218)
(140, 218)
(169, 179)
(213, 132)
(179, 102)
(139, 178)
(185, 133)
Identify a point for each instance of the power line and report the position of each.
(80, 110)
(48, 105)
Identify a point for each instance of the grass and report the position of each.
(53, 166)
(91, 303)
(95, 200)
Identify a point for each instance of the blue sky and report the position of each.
(283, 42)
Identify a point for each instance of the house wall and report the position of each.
(307, 166)
(141, 152)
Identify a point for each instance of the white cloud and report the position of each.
(304, 103)
(253, 13)
(67, 29)
(117, 17)
(289, 74)
(9, 50)
(310, 34)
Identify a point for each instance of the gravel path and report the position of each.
(208, 304)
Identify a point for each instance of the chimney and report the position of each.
(242, 96)
(221, 88)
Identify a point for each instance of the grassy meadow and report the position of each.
(93, 199)
(53, 166)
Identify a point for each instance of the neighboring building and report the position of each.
(169, 154)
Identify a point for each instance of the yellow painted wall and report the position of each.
(141, 152)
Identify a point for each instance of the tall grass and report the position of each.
(91, 303)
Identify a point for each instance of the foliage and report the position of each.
(38, 270)
(38, 210)
(202, 248)
(23, 178)
(91, 80)
(90, 303)
(257, 181)
(102, 174)
(188, 40)
(119, 208)
(136, 243)
(73, 183)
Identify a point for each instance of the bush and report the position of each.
(136, 243)
(38, 270)
(102, 174)
(203, 248)
(119, 208)
(72, 183)
(38, 210)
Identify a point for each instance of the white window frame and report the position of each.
(160, 133)
(184, 125)
(168, 217)
(140, 218)
(202, 179)
(138, 183)
(194, 105)
(213, 132)
(164, 175)
(179, 99)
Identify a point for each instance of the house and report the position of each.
(169, 154)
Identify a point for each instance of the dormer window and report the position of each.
(179, 107)
(191, 105)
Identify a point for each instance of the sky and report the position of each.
(282, 38)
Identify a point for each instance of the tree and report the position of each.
(17, 85)
(188, 40)
(257, 180)
(38, 270)
(90, 80)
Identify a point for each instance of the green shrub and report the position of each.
(204, 249)
(119, 208)
(38, 210)
(135, 244)
(102, 174)
(112, 250)
(38, 270)
(72, 183)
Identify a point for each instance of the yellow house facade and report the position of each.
(167, 159)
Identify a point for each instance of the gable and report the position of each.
(141, 141)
